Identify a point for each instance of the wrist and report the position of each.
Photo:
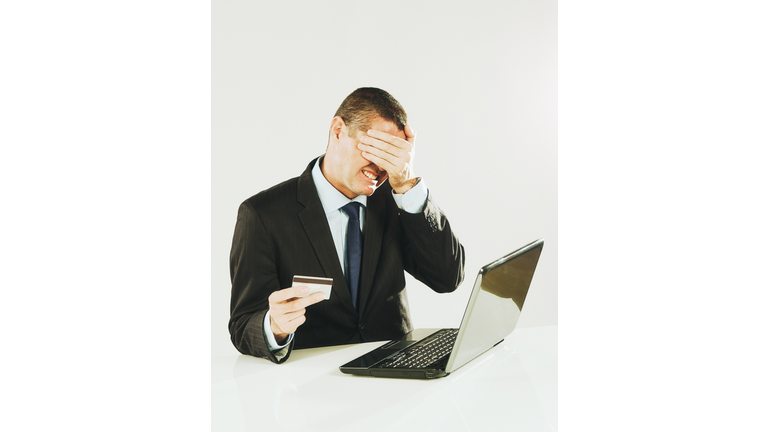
(406, 185)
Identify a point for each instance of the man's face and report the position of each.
(344, 165)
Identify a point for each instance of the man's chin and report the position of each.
(369, 191)
(378, 185)
(369, 188)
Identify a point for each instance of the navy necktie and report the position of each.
(354, 249)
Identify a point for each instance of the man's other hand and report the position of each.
(286, 310)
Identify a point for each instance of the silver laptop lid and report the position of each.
(495, 303)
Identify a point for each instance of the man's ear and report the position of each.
(338, 128)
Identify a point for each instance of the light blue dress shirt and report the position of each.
(412, 201)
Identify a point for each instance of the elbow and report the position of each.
(453, 278)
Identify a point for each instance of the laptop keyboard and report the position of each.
(425, 352)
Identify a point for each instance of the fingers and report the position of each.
(378, 138)
(382, 159)
(288, 293)
(285, 325)
(386, 151)
(286, 308)
(287, 300)
(392, 154)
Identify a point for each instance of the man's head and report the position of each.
(344, 165)
(366, 104)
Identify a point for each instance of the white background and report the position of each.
(479, 85)
(105, 233)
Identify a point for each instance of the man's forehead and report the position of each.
(385, 126)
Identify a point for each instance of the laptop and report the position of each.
(492, 313)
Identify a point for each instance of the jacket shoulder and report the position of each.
(277, 195)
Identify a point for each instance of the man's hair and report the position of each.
(365, 104)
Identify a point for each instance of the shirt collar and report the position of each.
(330, 197)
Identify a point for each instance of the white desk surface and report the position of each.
(511, 387)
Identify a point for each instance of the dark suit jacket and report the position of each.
(283, 231)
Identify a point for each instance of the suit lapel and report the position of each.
(319, 234)
(374, 231)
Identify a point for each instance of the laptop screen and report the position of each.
(495, 303)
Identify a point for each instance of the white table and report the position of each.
(511, 387)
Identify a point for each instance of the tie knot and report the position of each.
(352, 210)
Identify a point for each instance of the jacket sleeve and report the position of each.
(253, 272)
(431, 252)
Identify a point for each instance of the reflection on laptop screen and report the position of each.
(495, 304)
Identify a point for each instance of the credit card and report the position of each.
(315, 284)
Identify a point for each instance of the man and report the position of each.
(328, 222)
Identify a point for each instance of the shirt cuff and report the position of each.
(414, 200)
(271, 342)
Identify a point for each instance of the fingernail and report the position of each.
(304, 289)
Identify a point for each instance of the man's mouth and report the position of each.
(371, 175)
